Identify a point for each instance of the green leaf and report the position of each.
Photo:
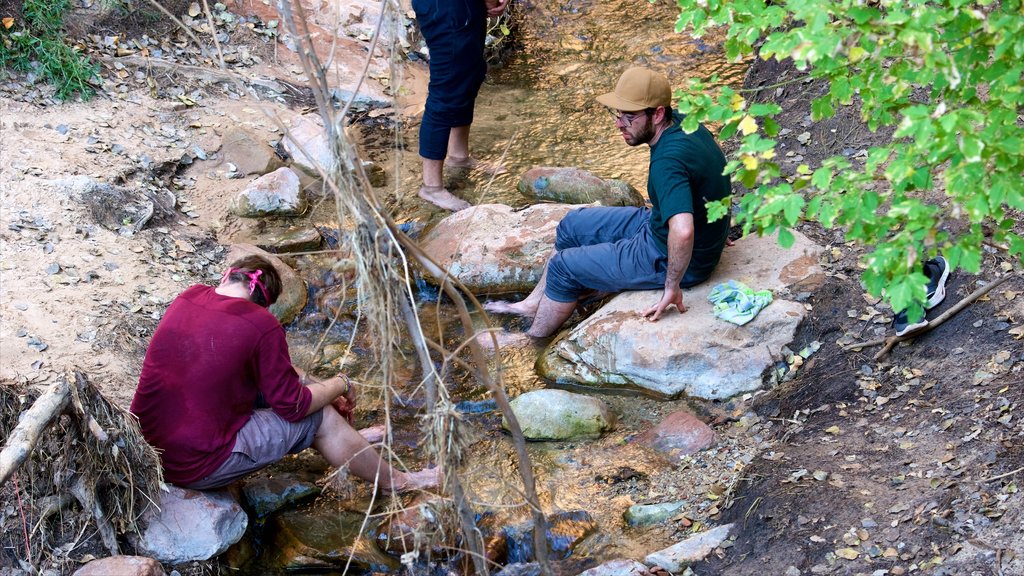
(821, 108)
(786, 238)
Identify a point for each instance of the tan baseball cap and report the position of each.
(637, 89)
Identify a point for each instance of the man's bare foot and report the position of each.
(373, 434)
(504, 340)
(522, 308)
(438, 196)
(407, 481)
(473, 164)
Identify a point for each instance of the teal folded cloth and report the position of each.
(737, 303)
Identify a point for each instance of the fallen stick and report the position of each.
(894, 340)
(31, 425)
(1010, 473)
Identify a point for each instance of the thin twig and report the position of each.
(1010, 473)
(24, 523)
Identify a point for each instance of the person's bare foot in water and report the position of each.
(442, 198)
(408, 481)
(521, 308)
(504, 339)
(470, 163)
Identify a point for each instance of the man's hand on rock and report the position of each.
(673, 295)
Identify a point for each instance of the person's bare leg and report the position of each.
(433, 189)
(550, 317)
(458, 153)
(341, 444)
(527, 306)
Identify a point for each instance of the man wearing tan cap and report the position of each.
(670, 245)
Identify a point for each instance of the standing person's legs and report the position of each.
(454, 31)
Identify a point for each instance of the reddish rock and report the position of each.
(679, 435)
(122, 566)
(493, 249)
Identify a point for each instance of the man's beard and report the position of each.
(645, 135)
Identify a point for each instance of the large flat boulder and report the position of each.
(695, 353)
(493, 249)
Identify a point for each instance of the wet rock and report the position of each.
(576, 186)
(191, 525)
(306, 143)
(280, 240)
(277, 193)
(565, 531)
(494, 249)
(619, 567)
(324, 540)
(249, 152)
(692, 353)
(559, 415)
(694, 549)
(266, 495)
(293, 292)
(123, 566)
(678, 435)
(123, 210)
(647, 514)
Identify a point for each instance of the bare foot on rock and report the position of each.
(408, 481)
(471, 163)
(522, 308)
(438, 196)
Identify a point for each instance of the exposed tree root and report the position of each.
(31, 426)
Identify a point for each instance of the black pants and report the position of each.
(454, 31)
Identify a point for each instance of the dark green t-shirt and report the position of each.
(686, 172)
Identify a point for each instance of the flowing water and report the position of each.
(539, 110)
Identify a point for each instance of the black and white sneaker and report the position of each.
(904, 326)
(937, 272)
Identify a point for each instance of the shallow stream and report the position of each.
(536, 110)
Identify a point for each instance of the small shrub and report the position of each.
(38, 43)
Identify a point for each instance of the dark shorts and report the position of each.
(609, 249)
(265, 439)
(455, 31)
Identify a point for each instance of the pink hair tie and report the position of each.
(254, 281)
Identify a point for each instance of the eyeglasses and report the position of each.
(627, 116)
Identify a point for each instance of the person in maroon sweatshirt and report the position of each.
(219, 397)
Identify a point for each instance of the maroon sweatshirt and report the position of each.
(210, 359)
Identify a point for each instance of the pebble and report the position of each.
(21, 306)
